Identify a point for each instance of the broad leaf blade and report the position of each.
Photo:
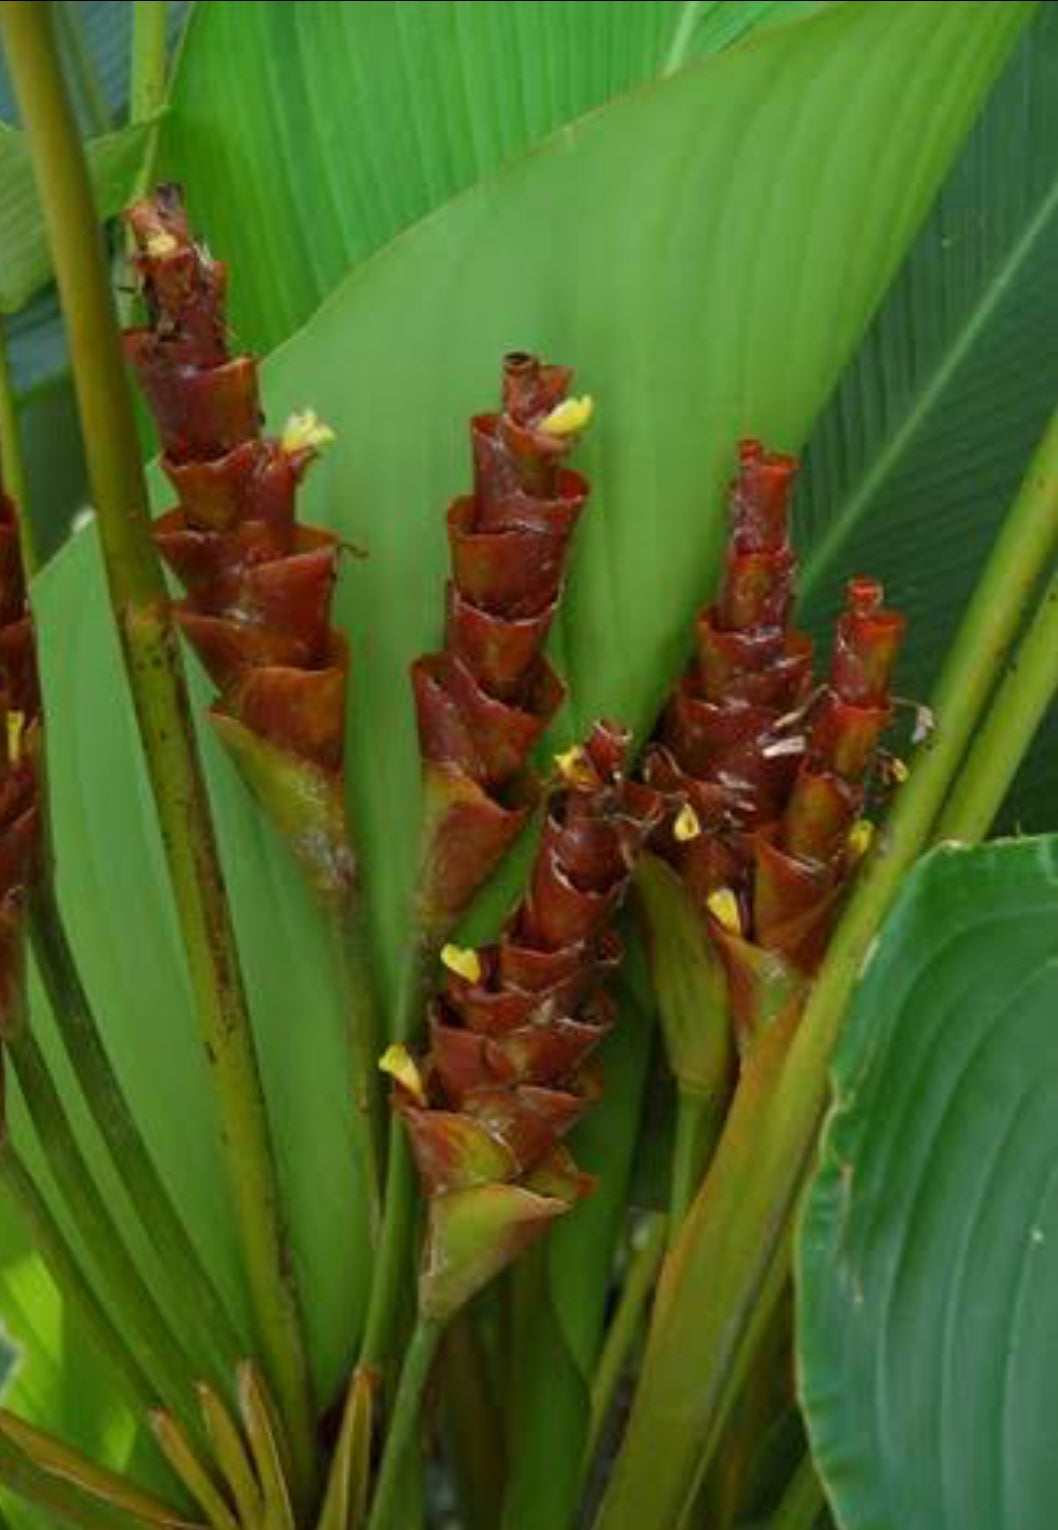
(25, 264)
(351, 122)
(927, 1260)
(921, 451)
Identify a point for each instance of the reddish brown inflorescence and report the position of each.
(259, 586)
(20, 813)
(485, 699)
(729, 744)
(508, 1072)
(768, 778)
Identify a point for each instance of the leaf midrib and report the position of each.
(821, 557)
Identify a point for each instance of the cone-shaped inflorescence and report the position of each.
(20, 815)
(258, 585)
(774, 929)
(484, 700)
(767, 779)
(508, 1072)
(729, 742)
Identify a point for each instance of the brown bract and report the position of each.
(259, 586)
(483, 701)
(509, 1069)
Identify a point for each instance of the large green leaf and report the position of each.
(914, 463)
(350, 122)
(25, 265)
(707, 251)
(928, 1257)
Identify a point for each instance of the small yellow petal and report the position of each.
(160, 244)
(398, 1062)
(860, 836)
(898, 770)
(569, 417)
(305, 432)
(464, 962)
(687, 826)
(16, 724)
(723, 905)
(575, 767)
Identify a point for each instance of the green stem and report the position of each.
(70, 1281)
(148, 75)
(349, 933)
(1018, 708)
(160, 1355)
(698, 1126)
(803, 1501)
(394, 1258)
(387, 1507)
(202, 1310)
(159, 690)
(628, 1325)
(731, 1243)
(147, 91)
(471, 1423)
(12, 461)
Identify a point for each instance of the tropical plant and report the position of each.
(442, 890)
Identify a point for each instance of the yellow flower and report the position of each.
(305, 432)
(464, 962)
(569, 417)
(723, 905)
(687, 826)
(398, 1062)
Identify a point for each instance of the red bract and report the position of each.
(485, 699)
(259, 586)
(767, 780)
(508, 1071)
(728, 743)
(20, 817)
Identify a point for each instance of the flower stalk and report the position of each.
(159, 692)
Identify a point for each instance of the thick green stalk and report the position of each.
(1018, 708)
(202, 1310)
(803, 1501)
(159, 690)
(35, 1214)
(387, 1509)
(12, 461)
(161, 1356)
(147, 81)
(628, 1325)
(471, 1424)
(731, 1241)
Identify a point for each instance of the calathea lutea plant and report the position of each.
(730, 869)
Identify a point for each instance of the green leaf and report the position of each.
(927, 1259)
(350, 122)
(916, 459)
(25, 266)
(684, 248)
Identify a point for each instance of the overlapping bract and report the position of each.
(258, 585)
(20, 762)
(767, 778)
(508, 1072)
(484, 700)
